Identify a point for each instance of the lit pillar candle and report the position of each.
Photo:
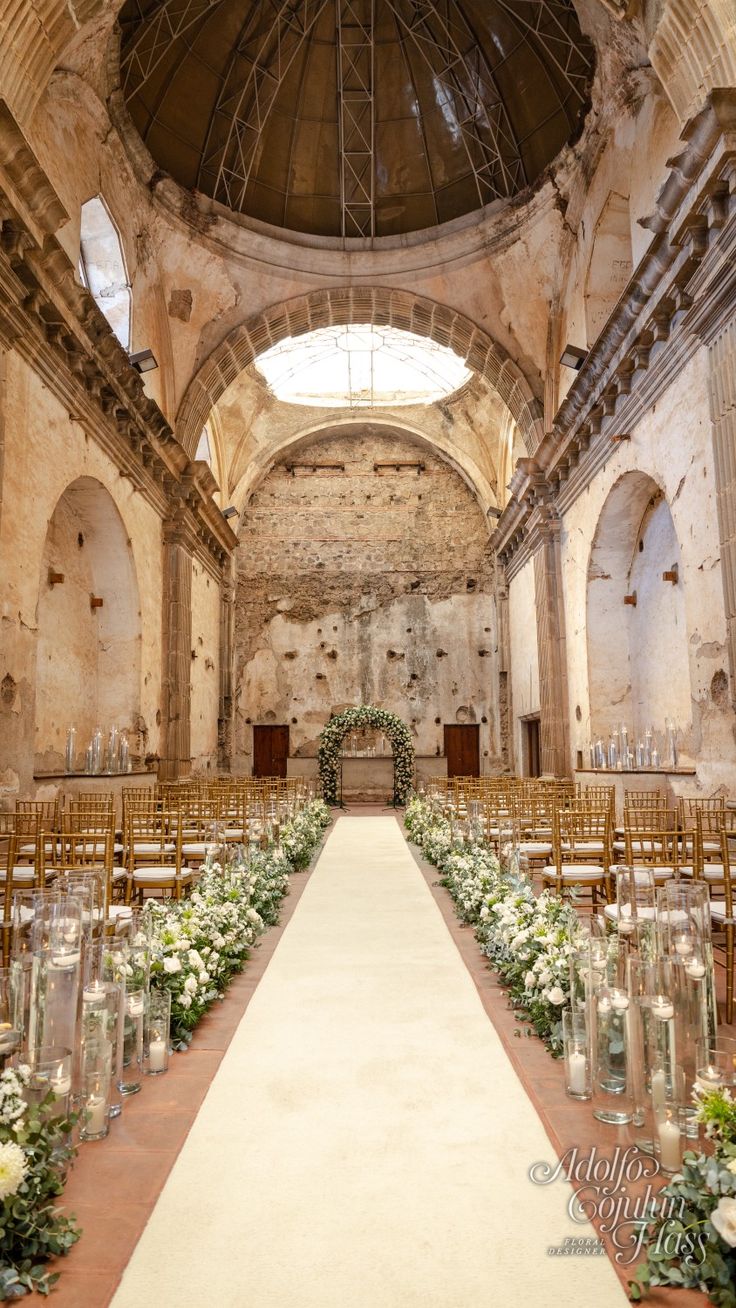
(576, 1078)
(157, 1056)
(658, 1089)
(669, 1146)
(96, 1110)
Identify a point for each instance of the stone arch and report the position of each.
(693, 51)
(265, 459)
(340, 306)
(88, 658)
(638, 661)
(610, 264)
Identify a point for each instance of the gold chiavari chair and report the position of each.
(656, 849)
(154, 849)
(581, 851)
(722, 909)
(8, 860)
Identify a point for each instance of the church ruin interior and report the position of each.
(368, 539)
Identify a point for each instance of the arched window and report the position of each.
(203, 449)
(102, 267)
(610, 264)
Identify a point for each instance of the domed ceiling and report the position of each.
(355, 118)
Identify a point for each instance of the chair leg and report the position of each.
(729, 973)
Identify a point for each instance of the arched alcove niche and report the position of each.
(638, 665)
(88, 656)
(610, 265)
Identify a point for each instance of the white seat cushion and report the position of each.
(149, 847)
(575, 872)
(541, 847)
(196, 849)
(116, 911)
(584, 846)
(23, 873)
(644, 914)
(119, 874)
(164, 873)
(718, 912)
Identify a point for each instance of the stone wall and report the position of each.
(365, 583)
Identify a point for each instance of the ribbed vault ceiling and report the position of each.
(355, 118)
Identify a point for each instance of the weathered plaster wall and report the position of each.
(524, 655)
(365, 584)
(45, 450)
(672, 444)
(205, 668)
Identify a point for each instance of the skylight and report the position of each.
(361, 367)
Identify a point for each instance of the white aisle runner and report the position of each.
(365, 1143)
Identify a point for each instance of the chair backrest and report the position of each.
(645, 799)
(656, 847)
(650, 819)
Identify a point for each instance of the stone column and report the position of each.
(722, 355)
(553, 694)
(227, 629)
(505, 689)
(177, 652)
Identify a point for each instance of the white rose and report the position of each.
(190, 985)
(185, 1001)
(724, 1220)
(556, 995)
(172, 965)
(731, 1167)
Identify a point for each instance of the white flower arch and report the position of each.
(365, 715)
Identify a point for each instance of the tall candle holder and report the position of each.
(612, 1088)
(158, 1023)
(98, 1027)
(576, 1051)
(70, 753)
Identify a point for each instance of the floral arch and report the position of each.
(365, 715)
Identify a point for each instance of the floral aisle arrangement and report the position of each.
(528, 939)
(690, 1237)
(200, 943)
(35, 1151)
(365, 715)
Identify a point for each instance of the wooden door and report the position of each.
(532, 747)
(462, 750)
(270, 751)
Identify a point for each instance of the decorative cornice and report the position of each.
(52, 322)
(680, 295)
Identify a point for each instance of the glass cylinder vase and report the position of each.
(158, 1024)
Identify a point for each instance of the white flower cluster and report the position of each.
(529, 939)
(199, 943)
(12, 1104)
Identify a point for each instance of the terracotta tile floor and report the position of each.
(115, 1183)
(568, 1124)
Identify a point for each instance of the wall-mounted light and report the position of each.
(574, 358)
(230, 512)
(143, 361)
(493, 513)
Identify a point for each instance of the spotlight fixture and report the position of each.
(493, 512)
(574, 358)
(230, 512)
(143, 360)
